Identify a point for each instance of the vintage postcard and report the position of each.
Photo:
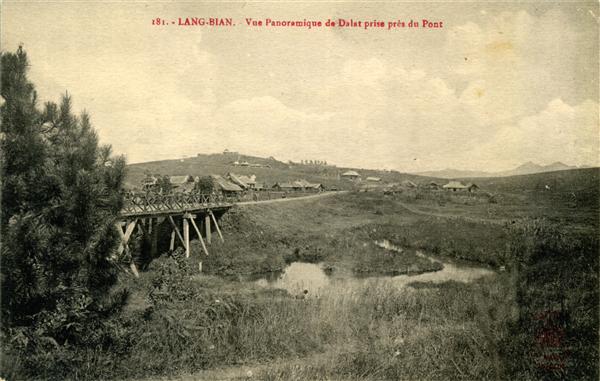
(299, 190)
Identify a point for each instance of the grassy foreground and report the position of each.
(537, 320)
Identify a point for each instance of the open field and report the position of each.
(220, 324)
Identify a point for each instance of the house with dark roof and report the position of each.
(237, 180)
(432, 185)
(226, 187)
(316, 187)
(288, 187)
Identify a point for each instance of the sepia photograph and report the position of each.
(299, 190)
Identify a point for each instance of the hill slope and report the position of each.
(581, 185)
(563, 184)
(523, 169)
(277, 171)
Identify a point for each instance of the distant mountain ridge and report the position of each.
(527, 168)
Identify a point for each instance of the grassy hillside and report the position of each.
(578, 186)
(203, 165)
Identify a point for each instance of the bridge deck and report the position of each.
(156, 205)
(171, 212)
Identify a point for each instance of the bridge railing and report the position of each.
(155, 202)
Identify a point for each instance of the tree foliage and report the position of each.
(60, 200)
(204, 185)
(163, 185)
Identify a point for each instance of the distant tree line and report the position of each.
(313, 162)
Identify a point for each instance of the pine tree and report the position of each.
(61, 195)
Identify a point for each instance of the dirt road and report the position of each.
(312, 196)
(410, 208)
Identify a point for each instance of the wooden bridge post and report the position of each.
(207, 226)
(153, 230)
(186, 236)
(172, 243)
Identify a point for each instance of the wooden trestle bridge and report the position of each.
(147, 211)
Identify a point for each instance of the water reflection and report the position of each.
(310, 280)
(298, 277)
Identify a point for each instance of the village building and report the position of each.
(245, 182)
(472, 187)
(306, 185)
(368, 187)
(432, 186)
(287, 187)
(149, 182)
(392, 188)
(351, 175)
(225, 187)
(302, 182)
(317, 187)
(298, 185)
(182, 183)
(250, 181)
(374, 179)
(408, 184)
(455, 186)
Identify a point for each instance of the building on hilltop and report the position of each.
(351, 175)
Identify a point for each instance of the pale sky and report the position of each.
(500, 84)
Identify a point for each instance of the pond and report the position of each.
(309, 279)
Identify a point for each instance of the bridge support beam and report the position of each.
(123, 245)
(199, 237)
(216, 225)
(207, 226)
(176, 231)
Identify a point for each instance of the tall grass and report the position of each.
(556, 334)
(379, 331)
(494, 328)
